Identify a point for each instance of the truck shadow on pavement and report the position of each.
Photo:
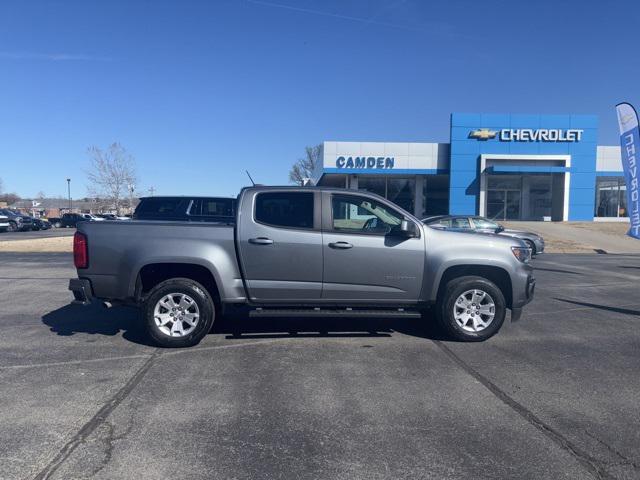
(97, 320)
(238, 326)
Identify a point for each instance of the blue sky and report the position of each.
(198, 91)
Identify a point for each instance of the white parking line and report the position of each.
(127, 357)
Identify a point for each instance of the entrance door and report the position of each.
(512, 205)
(503, 204)
(496, 204)
(504, 193)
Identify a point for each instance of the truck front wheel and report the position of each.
(471, 309)
(178, 312)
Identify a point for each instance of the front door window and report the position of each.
(362, 215)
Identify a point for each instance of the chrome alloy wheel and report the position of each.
(176, 314)
(474, 310)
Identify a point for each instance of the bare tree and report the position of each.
(112, 173)
(302, 170)
(10, 198)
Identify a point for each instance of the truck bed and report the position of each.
(119, 249)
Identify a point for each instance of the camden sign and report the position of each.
(365, 162)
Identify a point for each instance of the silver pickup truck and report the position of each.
(302, 252)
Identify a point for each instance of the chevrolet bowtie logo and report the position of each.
(483, 134)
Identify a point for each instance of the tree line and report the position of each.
(112, 175)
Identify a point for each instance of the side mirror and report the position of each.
(500, 229)
(407, 229)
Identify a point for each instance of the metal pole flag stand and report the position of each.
(630, 143)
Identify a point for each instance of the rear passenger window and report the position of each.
(285, 209)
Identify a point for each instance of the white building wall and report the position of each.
(413, 156)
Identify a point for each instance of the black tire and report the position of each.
(454, 289)
(13, 227)
(57, 225)
(531, 245)
(194, 290)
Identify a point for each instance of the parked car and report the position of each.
(4, 223)
(17, 220)
(111, 216)
(481, 224)
(40, 224)
(189, 209)
(71, 219)
(302, 251)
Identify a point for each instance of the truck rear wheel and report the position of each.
(178, 312)
(471, 309)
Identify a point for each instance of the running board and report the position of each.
(334, 312)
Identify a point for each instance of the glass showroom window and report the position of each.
(400, 191)
(611, 197)
(436, 194)
(377, 185)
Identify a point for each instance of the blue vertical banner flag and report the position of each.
(630, 143)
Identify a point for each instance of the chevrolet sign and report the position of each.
(529, 134)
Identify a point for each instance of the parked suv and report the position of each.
(189, 209)
(17, 221)
(72, 219)
(40, 224)
(4, 223)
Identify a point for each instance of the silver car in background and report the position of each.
(483, 225)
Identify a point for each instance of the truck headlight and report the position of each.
(522, 253)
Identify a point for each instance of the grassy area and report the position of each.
(55, 244)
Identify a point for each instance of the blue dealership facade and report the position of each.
(503, 166)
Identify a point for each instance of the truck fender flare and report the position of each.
(135, 286)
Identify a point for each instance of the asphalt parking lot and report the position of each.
(52, 232)
(554, 396)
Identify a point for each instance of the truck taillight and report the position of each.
(80, 252)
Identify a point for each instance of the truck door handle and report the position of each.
(261, 241)
(341, 245)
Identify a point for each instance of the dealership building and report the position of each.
(505, 167)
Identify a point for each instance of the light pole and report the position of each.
(69, 192)
(132, 188)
